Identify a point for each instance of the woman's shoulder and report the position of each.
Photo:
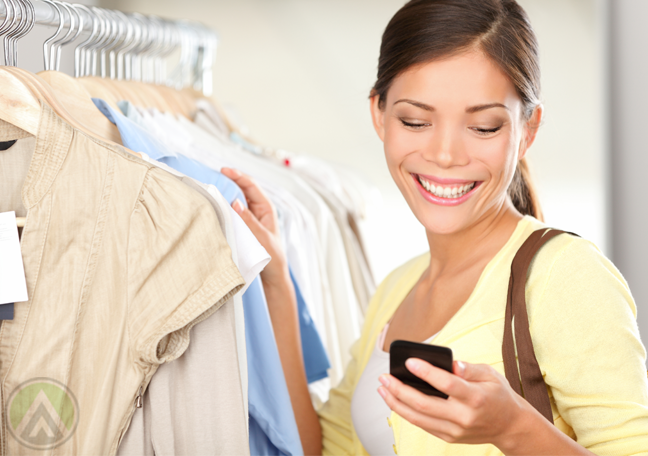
(570, 252)
(575, 269)
(566, 250)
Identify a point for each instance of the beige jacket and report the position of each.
(121, 260)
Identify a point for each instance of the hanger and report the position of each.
(128, 51)
(23, 91)
(27, 15)
(71, 94)
(139, 88)
(18, 105)
(39, 88)
(90, 55)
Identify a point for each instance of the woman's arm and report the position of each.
(261, 218)
(282, 305)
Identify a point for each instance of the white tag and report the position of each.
(13, 287)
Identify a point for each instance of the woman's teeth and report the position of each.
(449, 192)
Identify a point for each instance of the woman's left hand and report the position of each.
(481, 407)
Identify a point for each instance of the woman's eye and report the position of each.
(486, 131)
(414, 125)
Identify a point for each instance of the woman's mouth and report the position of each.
(447, 194)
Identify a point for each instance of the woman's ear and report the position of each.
(531, 127)
(377, 116)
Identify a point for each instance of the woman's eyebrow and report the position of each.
(418, 104)
(482, 107)
(469, 110)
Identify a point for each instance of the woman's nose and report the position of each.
(446, 148)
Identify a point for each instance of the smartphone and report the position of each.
(401, 350)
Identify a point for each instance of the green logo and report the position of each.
(43, 413)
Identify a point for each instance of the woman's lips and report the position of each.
(445, 192)
(443, 181)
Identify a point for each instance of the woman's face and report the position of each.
(453, 133)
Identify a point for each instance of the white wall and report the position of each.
(629, 100)
(570, 155)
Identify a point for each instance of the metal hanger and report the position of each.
(122, 47)
(48, 64)
(72, 101)
(116, 35)
(18, 105)
(79, 51)
(70, 36)
(25, 11)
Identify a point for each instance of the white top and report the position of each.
(369, 411)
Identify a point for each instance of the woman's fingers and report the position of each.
(431, 406)
(258, 203)
(252, 191)
(438, 427)
(475, 372)
(441, 379)
(259, 231)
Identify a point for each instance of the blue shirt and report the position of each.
(273, 429)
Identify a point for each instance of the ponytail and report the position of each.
(523, 192)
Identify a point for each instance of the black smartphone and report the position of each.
(401, 350)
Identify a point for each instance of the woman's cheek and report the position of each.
(499, 156)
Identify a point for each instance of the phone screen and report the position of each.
(401, 350)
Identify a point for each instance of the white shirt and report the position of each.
(369, 412)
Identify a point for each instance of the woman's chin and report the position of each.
(443, 220)
(444, 226)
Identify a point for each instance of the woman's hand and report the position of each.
(481, 408)
(261, 217)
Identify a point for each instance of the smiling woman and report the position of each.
(454, 123)
(456, 105)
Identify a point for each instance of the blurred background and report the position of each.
(297, 74)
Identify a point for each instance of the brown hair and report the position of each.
(426, 30)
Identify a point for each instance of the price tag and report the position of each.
(13, 287)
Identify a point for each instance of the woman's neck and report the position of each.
(480, 241)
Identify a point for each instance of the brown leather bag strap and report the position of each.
(528, 382)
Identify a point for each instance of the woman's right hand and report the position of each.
(261, 217)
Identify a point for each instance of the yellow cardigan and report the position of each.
(583, 324)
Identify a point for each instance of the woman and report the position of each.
(457, 107)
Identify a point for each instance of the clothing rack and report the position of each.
(129, 46)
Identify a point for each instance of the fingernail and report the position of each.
(461, 368)
(382, 392)
(238, 206)
(413, 365)
(384, 380)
